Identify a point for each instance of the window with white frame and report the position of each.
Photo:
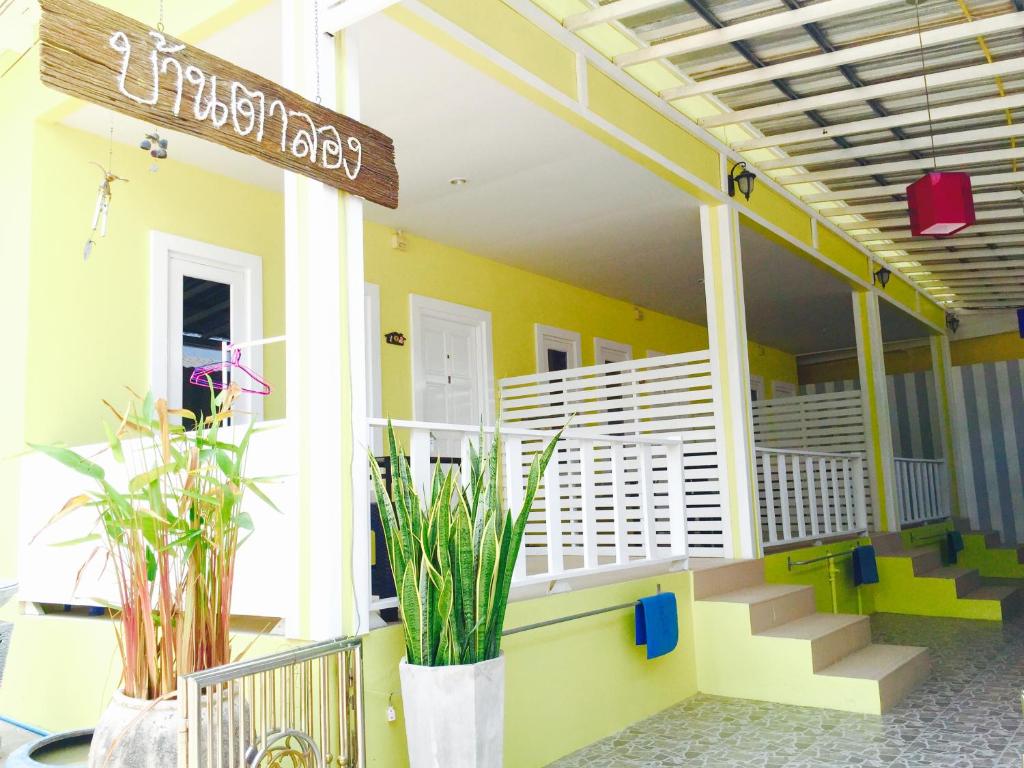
(201, 297)
(557, 349)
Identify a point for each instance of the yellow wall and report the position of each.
(987, 349)
(89, 320)
(517, 300)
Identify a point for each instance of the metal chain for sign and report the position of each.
(316, 45)
(160, 22)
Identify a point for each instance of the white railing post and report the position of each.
(811, 495)
(676, 498)
(859, 496)
(798, 492)
(553, 513)
(648, 526)
(769, 497)
(619, 503)
(836, 507)
(419, 460)
(514, 494)
(588, 505)
(851, 521)
(784, 511)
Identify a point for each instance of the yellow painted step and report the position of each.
(896, 669)
(725, 576)
(771, 604)
(1010, 599)
(831, 636)
(966, 579)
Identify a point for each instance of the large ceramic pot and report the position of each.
(136, 733)
(454, 716)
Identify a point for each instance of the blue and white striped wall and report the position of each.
(913, 412)
(989, 409)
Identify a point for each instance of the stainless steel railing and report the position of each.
(302, 708)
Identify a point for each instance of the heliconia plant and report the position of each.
(170, 536)
(452, 556)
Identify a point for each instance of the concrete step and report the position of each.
(726, 576)
(924, 558)
(967, 579)
(886, 543)
(1010, 599)
(831, 636)
(896, 669)
(770, 604)
(993, 540)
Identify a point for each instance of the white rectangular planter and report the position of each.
(454, 716)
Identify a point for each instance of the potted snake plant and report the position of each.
(169, 536)
(452, 554)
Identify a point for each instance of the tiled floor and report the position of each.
(966, 715)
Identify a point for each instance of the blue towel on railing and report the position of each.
(954, 545)
(865, 567)
(657, 624)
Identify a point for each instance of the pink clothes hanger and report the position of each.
(204, 376)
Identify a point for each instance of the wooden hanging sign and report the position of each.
(98, 55)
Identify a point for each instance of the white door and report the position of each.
(452, 368)
(607, 351)
(557, 349)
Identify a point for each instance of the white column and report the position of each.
(730, 363)
(326, 398)
(875, 399)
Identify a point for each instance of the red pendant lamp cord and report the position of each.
(924, 75)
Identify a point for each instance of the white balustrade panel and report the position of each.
(50, 573)
(669, 398)
(922, 490)
(603, 501)
(829, 423)
(809, 495)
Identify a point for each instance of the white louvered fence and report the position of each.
(921, 490)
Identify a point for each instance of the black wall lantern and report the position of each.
(952, 321)
(882, 276)
(741, 179)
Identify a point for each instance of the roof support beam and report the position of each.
(1011, 265)
(986, 180)
(996, 133)
(966, 234)
(604, 14)
(917, 117)
(931, 246)
(860, 226)
(344, 13)
(901, 205)
(1009, 277)
(976, 253)
(801, 66)
(745, 29)
(906, 166)
(879, 90)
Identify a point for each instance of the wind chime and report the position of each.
(104, 195)
(941, 203)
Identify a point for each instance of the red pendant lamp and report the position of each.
(941, 204)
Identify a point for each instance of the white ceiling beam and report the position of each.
(917, 117)
(604, 14)
(984, 180)
(910, 42)
(1009, 277)
(764, 25)
(995, 290)
(905, 166)
(978, 135)
(688, 26)
(343, 14)
(932, 246)
(965, 234)
(981, 266)
(976, 253)
(859, 226)
(879, 90)
(901, 205)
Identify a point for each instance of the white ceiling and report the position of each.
(541, 195)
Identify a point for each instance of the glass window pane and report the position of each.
(206, 323)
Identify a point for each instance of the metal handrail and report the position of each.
(907, 460)
(572, 617)
(791, 563)
(229, 672)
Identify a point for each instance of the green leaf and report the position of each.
(150, 565)
(147, 478)
(72, 460)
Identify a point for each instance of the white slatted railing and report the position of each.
(670, 397)
(604, 501)
(809, 495)
(832, 422)
(921, 490)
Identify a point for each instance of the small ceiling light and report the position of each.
(458, 181)
(952, 321)
(741, 179)
(881, 276)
